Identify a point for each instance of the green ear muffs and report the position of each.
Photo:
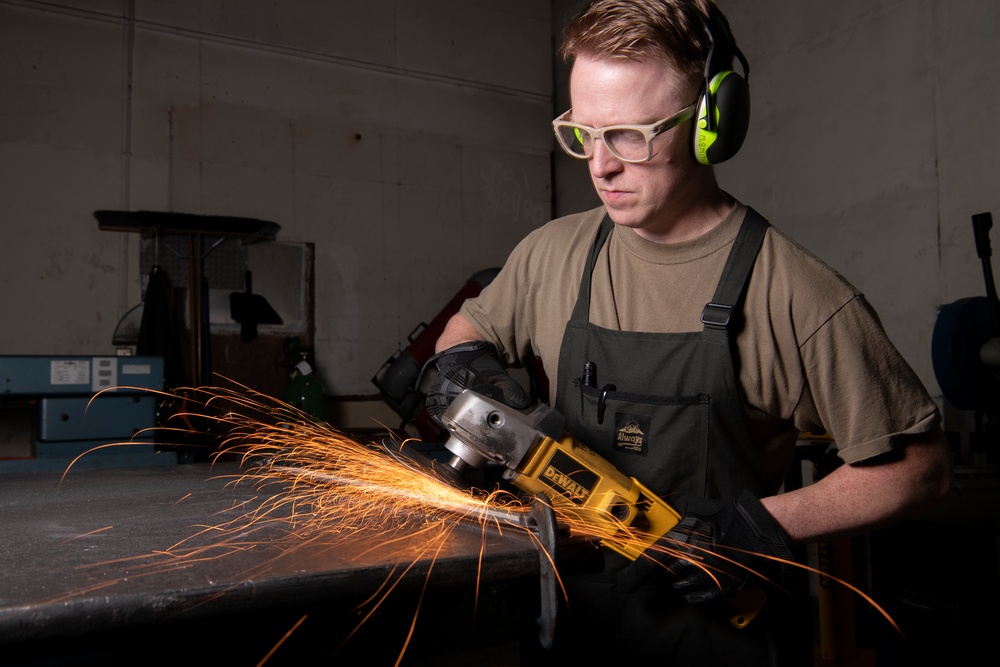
(724, 106)
(723, 118)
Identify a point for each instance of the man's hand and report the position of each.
(715, 549)
(476, 366)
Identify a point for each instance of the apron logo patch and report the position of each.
(631, 433)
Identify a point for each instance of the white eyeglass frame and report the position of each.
(649, 132)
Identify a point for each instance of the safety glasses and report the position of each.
(628, 143)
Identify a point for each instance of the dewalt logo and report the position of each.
(565, 482)
(569, 477)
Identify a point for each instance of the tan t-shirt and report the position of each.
(813, 354)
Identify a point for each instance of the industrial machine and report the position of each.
(966, 353)
(78, 404)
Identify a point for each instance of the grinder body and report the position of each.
(541, 459)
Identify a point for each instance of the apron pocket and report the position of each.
(661, 440)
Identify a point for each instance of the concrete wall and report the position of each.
(873, 143)
(409, 141)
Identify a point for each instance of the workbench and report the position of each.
(76, 586)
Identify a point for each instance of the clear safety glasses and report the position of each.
(628, 143)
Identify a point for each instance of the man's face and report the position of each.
(618, 92)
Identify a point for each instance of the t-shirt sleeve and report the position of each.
(525, 309)
(501, 311)
(859, 388)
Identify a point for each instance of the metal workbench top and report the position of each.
(73, 555)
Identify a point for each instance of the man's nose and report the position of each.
(602, 162)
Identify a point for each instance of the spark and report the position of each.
(89, 533)
(606, 527)
(318, 485)
(282, 640)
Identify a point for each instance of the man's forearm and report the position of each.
(854, 499)
(458, 330)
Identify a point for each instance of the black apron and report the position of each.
(665, 409)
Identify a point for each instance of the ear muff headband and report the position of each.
(724, 106)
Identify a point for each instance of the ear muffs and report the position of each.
(723, 118)
(724, 106)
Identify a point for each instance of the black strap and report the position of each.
(727, 302)
(581, 311)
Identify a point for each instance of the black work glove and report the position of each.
(733, 540)
(476, 366)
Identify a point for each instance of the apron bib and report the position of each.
(665, 409)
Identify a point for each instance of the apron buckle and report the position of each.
(716, 315)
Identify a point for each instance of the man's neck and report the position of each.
(691, 220)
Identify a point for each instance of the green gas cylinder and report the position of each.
(305, 391)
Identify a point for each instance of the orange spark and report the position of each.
(282, 640)
(318, 485)
(89, 533)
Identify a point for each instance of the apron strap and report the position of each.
(727, 302)
(581, 311)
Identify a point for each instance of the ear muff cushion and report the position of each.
(731, 96)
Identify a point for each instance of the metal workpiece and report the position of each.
(482, 429)
(78, 557)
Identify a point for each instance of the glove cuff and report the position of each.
(763, 524)
(463, 354)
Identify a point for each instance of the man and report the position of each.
(711, 335)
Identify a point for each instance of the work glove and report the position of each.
(733, 541)
(476, 366)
